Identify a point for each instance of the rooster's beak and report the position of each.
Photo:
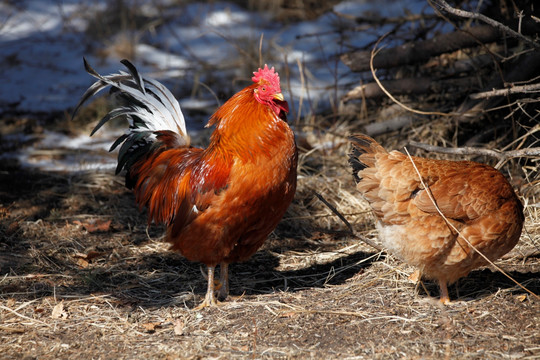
(279, 96)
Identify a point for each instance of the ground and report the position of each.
(83, 276)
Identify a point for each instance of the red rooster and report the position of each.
(219, 203)
(476, 199)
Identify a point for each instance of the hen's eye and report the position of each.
(263, 88)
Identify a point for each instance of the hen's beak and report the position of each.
(279, 96)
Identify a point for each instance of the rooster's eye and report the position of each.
(263, 88)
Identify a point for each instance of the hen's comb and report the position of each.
(267, 74)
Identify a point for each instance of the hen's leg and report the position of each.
(444, 292)
(210, 298)
(224, 281)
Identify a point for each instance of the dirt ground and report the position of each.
(82, 276)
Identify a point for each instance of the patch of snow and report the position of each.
(226, 17)
(172, 64)
(42, 43)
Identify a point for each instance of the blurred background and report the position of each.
(205, 51)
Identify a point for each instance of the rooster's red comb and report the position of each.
(267, 74)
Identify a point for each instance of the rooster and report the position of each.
(220, 203)
(476, 200)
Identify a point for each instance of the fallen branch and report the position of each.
(411, 86)
(421, 51)
(460, 66)
(502, 156)
(389, 125)
(533, 88)
(377, 19)
(443, 5)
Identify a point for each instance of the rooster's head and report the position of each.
(268, 91)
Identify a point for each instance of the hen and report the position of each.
(475, 198)
(220, 203)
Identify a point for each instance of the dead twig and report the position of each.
(373, 54)
(362, 315)
(23, 316)
(348, 224)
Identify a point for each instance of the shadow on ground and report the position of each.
(46, 248)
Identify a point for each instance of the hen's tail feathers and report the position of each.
(362, 153)
(149, 107)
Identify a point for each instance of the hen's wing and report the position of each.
(463, 190)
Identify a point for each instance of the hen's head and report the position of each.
(268, 91)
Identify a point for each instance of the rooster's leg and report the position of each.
(217, 284)
(210, 298)
(224, 281)
(444, 292)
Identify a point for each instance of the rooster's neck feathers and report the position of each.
(244, 126)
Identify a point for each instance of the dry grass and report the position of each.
(74, 285)
(82, 276)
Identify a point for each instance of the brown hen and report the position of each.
(475, 198)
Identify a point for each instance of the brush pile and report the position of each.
(476, 68)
